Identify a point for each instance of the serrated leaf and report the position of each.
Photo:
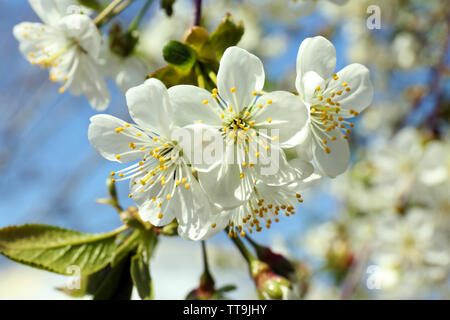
(180, 55)
(56, 249)
(116, 283)
(167, 6)
(140, 273)
(227, 34)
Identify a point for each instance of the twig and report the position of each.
(197, 12)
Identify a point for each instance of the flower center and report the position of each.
(327, 116)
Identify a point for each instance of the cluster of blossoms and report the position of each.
(396, 214)
(249, 178)
(252, 178)
(70, 45)
(272, 144)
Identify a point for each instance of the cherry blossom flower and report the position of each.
(332, 98)
(69, 45)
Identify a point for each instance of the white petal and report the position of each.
(315, 54)
(150, 107)
(287, 115)
(310, 81)
(51, 11)
(303, 168)
(84, 31)
(273, 168)
(193, 104)
(337, 161)
(202, 146)
(196, 213)
(223, 185)
(104, 138)
(132, 72)
(240, 71)
(357, 78)
(88, 80)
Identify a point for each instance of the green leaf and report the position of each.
(129, 244)
(179, 54)
(115, 282)
(167, 6)
(56, 249)
(227, 34)
(140, 273)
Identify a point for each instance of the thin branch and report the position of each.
(197, 12)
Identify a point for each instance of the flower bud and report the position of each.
(270, 285)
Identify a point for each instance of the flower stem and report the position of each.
(242, 249)
(205, 258)
(109, 8)
(197, 12)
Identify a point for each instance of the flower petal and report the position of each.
(315, 54)
(83, 29)
(88, 80)
(242, 73)
(196, 213)
(51, 11)
(193, 104)
(150, 107)
(284, 115)
(337, 161)
(224, 185)
(202, 146)
(109, 143)
(356, 79)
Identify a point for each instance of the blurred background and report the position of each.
(381, 230)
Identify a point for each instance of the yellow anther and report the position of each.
(327, 150)
(222, 116)
(269, 101)
(62, 90)
(344, 84)
(121, 175)
(269, 120)
(230, 108)
(168, 197)
(213, 225)
(160, 216)
(205, 101)
(247, 113)
(233, 90)
(255, 93)
(132, 145)
(113, 173)
(130, 196)
(244, 164)
(139, 134)
(183, 180)
(260, 106)
(241, 175)
(214, 91)
(118, 157)
(187, 186)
